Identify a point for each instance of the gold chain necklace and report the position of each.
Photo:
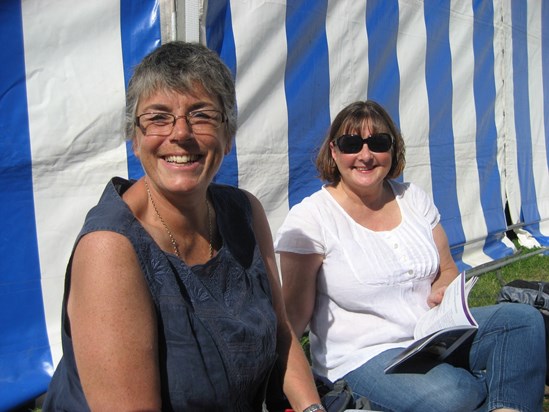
(168, 231)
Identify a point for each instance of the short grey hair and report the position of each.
(179, 66)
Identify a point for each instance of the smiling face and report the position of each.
(182, 161)
(363, 171)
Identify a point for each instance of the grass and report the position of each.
(535, 268)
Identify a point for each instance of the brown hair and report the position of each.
(351, 120)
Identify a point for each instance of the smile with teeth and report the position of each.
(182, 159)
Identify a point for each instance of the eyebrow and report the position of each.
(165, 108)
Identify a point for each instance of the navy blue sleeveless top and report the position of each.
(217, 326)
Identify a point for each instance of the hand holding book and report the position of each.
(452, 311)
(440, 331)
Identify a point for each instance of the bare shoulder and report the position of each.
(109, 251)
(105, 271)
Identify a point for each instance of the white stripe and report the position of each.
(187, 13)
(192, 20)
(414, 102)
(501, 59)
(508, 145)
(348, 53)
(507, 134)
(75, 92)
(262, 148)
(464, 127)
(502, 80)
(168, 20)
(537, 102)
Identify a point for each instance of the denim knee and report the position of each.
(522, 312)
(510, 350)
(509, 316)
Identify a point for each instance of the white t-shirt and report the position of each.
(372, 286)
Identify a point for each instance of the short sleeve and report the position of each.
(301, 231)
(425, 205)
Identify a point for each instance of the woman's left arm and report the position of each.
(299, 384)
(447, 270)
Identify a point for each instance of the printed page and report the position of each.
(452, 311)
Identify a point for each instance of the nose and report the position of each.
(365, 153)
(181, 129)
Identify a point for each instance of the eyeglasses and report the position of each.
(162, 124)
(352, 143)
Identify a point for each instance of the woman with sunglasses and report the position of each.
(364, 257)
(172, 298)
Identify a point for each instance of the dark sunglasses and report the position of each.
(352, 143)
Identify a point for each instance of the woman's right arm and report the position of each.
(113, 326)
(299, 274)
(448, 270)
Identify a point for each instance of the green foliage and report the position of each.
(306, 345)
(535, 267)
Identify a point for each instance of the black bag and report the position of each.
(531, 293)
(523, 291)
(338, 396)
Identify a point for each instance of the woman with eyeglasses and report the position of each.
(172, 298)
(364, 257)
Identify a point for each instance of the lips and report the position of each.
(181, 160)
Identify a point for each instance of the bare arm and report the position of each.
(448, 269)
(113, 326)
(299, 385)
(299, 274)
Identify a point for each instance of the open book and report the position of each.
(442, 334)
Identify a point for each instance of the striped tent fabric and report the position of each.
(62, 84)
(464, 80)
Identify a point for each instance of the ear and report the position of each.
(333, 149)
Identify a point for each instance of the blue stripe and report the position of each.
(219, 37)
(529, 209)
(307, 87)
(384, 76)
(24, 345)
(545, 75)
(441, 133)
(140, 33)
(382, 23)
(486, 134)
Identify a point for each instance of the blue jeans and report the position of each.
(507, 361)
